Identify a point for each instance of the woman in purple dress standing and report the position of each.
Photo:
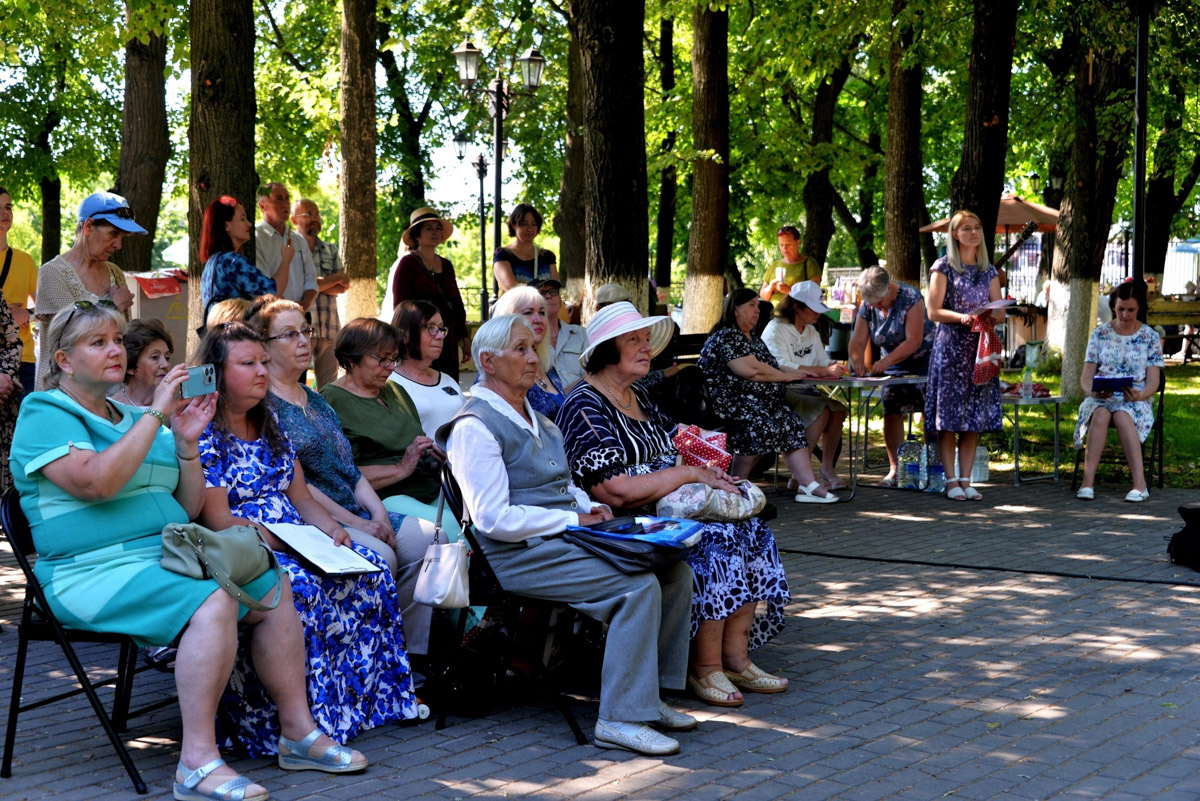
(959, 282)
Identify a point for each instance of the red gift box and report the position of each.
(701, 448)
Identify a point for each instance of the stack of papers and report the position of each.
(316, 547)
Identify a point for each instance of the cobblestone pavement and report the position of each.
(1030, 646)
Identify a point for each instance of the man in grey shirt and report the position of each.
(275, 204)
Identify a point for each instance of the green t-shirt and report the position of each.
(806, 269)
(379, 430)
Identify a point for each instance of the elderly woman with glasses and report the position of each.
(84, 272)
(955, 406)
(436, 395)
(382, 422)
(328, 462)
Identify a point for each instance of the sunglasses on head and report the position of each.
(87, 305)
(124, 212)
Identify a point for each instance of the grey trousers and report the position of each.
(648, 617)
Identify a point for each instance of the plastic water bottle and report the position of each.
(909, 456)
(1027, 384)
(981, 470)
(937, 479)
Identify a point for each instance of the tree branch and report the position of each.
(288, 55)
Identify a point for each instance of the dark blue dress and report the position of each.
(229, 275)
(888, 330)
(953, 401)
(734, 563)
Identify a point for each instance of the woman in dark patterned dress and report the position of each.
(358, 670)
(959, 282)
(620, 449)
(748, 390)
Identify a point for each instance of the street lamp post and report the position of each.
(461, 142)
(500, 95)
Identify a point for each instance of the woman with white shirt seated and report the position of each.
(792, 338)
(516, 483)
(436, 395)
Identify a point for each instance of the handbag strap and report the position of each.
(7, 264)
(227, 584)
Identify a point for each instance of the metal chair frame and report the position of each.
(1152, 465)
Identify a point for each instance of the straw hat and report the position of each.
(423, 215)
(621, 318)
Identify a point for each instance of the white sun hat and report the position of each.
(621, 318)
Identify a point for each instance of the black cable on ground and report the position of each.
(955, 566)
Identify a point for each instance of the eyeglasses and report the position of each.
(316, 215)
(386, 364)
(550, 293)
(290, 336)
(436, 330)
(124, 212)
(87, 305)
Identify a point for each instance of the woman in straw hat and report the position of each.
(421, 274)
(620, 448)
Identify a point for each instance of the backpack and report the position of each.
(1184, 547)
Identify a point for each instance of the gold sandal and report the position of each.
(714, 689)
(756, 680)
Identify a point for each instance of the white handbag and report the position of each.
(443, 582)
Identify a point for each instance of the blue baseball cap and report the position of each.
(110, 208)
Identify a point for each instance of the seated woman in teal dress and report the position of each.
(98, 482)
(325, 454)
(1123, 347)
(358, 671)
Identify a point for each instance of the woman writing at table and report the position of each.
(1123, 347)
(960, 282)
(892, 316)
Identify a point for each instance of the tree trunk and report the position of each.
(903, 196)
(614, 150)
(929, 252)
(145, 146)
(818, 191)
(708, 246)
(979, 180)
(570, 217)
(668, 182)
(1163, 200)
(357, 194)
(221, 131)
(1097, 154)
(51, 217)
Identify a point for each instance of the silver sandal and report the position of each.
(232, 790)
(336, 759)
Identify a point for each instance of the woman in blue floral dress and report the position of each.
(621, 452)
(955, 406)
(1122, 347)
(358, 670)
(547, 394)
(227, 273)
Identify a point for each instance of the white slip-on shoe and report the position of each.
(636, 737)
(1086, 494)
(1136, 496)
(673, 720)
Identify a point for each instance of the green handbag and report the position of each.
(232, 557)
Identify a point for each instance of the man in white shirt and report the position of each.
(792, 338)
(269, 238)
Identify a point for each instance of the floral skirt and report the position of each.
(735, 564)
(357, 667)
(1141, 412)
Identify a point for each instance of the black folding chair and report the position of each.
(38, 624)
(487, 590)
(1152, 464)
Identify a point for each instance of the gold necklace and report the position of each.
(628, 392)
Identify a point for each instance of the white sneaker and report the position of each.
(674, 720)
(636, 737)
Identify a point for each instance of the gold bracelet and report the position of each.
(162, 421)
(181, 457)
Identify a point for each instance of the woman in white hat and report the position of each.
(620, 448)
(421, 274)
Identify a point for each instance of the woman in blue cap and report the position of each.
(84, 273)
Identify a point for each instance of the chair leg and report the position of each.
(98, 707)
(123, 689)
(18, 679)
(1075, 472)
